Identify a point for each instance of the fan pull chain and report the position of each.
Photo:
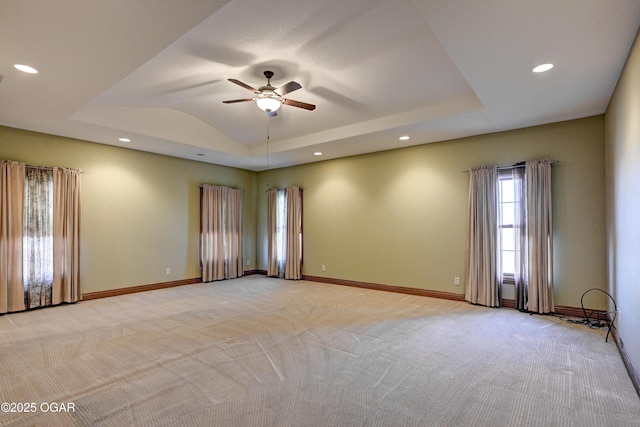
(268, 137)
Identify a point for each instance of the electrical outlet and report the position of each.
(324, 267)
(167, 272)
(456, 281)
(248, 262)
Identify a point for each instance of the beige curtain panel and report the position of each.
(540, 236)
(66, 236)
(482, 253)
(233, 233)
(220, 233)
(12, 175)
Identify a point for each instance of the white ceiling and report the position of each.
(156, 71)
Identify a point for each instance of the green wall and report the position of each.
(140, 211)
(623, 202)
(400, 217)
(397, 217)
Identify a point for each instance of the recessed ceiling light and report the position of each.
(124, 140)
(317, 153)
(404, 138)
(542, 68)
(26, 69)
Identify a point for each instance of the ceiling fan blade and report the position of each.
(289, 87)
(299, 104)
(231, 101)
(244, 85)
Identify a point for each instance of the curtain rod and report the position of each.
(516, 165)
(50, 168)
(43, 167)
(284, 188)
(218, 185)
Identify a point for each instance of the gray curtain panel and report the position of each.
(540, 236)
(521, 241)
(483, 284)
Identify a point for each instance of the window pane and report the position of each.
(508, 239)
(506, 190)
(508, 213)
(281, 220)
(508, 262)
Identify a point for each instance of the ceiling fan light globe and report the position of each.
(268, 103)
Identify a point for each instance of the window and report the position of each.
(40, 255)
(37, 252)
(510, 235)
(284, 231)
(220, 232)
(281, 229)
(283, 222)
(510, 222)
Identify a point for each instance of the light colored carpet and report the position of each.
(268, 352)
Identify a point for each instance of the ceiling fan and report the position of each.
(268, 98)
